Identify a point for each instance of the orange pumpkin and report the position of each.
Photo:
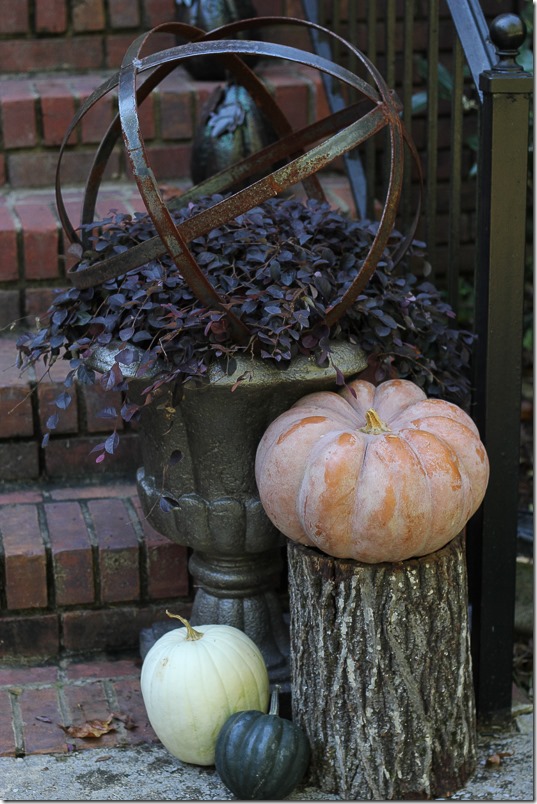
(372, 473)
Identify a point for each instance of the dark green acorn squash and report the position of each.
(261, 756)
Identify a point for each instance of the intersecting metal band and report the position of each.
(345, 130)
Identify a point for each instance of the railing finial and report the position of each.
(507, 34)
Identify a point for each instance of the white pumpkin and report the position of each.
(193, 680)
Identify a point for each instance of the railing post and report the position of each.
(502, 199)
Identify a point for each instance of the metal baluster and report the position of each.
(432, 132)
(455, 184)
(502, 195)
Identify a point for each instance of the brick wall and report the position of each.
(52, 35)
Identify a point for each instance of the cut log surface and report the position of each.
(381, 673)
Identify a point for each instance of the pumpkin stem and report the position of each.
(274, 700)
(191, 634)
(374, 424)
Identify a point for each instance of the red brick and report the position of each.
(96, 120)
(176, 111)
(117, 44)
(170, 161)
(96, 399)
(9, 265)
(292, 95)
(20, 496)
(158, 11)
(36, 303)
(18, 114)
(40, 240)
(57, 110)
(92, 492)
(88, 15)
(20, 676)
(19, 460)
(130, 702)
(8, 746)
(98, 668)
(81, 53)
(51, 17)
(41, 716)
(89, 702)
(25, 557)
(146, 116)
(72, 560)
(38, 169)
(13, 16)
(10, 308)
(113, 629)
(118, 554)
(29, 637)
(47, 393)
(123, 14)
(16, 417)
(166, 562)
(70, 457)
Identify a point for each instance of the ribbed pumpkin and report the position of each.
(194, 679)
(261, 756)
(372, 473)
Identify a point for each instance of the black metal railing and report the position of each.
(467, 103)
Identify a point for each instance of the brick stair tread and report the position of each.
(36, 111)
(36, 700)
(81, 569)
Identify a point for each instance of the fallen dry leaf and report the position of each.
(91, 728)
(494, 760)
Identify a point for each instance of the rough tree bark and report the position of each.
(381, 673)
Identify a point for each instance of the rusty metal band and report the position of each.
(154, 61)
(248, 79)
(142, 253)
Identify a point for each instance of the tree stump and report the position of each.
(381, 673)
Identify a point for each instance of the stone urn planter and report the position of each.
(197, 486)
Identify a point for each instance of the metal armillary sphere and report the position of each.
(326, 139)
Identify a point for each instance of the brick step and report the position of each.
(81, 570)
(36, 110)
(36, 700)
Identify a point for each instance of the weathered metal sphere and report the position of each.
(304, 152)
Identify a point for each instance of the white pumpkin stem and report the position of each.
(374, 424)
(274, 700)
(191, 634)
